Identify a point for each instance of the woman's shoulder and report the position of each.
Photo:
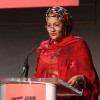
(80, 42)
(45, 42)
(78, 39)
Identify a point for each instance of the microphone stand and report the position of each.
(26, 66)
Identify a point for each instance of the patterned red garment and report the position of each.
(65, 59)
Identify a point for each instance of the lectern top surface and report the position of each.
(61, 85)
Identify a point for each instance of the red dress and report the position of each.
(65, 59)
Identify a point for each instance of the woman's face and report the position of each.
(55, 29)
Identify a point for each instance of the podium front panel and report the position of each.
(35, 89)
(27, 92)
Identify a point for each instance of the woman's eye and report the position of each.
(48, 25)
(56, 24)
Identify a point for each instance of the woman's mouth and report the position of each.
(53, 34)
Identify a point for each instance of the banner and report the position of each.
(36, 3)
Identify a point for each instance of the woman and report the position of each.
(66, 56)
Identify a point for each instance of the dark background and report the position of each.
(21, 30)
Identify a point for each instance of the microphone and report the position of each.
(26, 66)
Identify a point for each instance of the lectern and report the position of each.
(35, 89)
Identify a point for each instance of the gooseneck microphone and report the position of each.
(26, 66)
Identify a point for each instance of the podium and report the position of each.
(35, 89)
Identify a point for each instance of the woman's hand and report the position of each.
(75, 80)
